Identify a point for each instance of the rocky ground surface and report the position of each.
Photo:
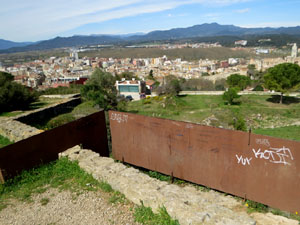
(65, 208)
(188, 204)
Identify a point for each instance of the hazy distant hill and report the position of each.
(225, 32)
(60, 42)
(4, 44)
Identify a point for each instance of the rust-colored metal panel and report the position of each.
(89, 131)
(255, 167)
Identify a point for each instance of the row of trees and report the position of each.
(281, 78)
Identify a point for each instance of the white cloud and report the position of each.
(243, 10)
(33, 20)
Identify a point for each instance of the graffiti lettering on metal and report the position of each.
(189, 126)
(243, 161)
(274, 155)
(263, 142)
(120, 118)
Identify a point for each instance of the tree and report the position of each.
(220, 84)
(127, 76)
(230, 95)
(258, 88)
(14, 96)
(238, 81)
(171, 86)
(282, 78)
(198, 84)
(101, 89)
(150, 76)
(251, 71)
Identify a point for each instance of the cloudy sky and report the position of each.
(32, 20)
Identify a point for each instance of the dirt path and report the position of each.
(65, 208)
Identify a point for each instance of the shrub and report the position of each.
(122, 106)
(220, 87)
(258, 88)
(146, 101)
(199, 84)
(73, 89)
(14, 96)
(230, 95)
(239, 124)
(60, 120)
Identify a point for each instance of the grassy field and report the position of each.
(4, 141)
(258, 112)
(22, 57)
(185, 53)
(289, 132)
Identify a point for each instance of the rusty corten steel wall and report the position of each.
(256, 167)
(89, 131)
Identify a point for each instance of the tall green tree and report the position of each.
(282, 78)
(101, 89)
(251, 70)
(238, 81)
(14, 96)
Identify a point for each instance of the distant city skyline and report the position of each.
(32, 20)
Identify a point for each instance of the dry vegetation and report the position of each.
(185, 53)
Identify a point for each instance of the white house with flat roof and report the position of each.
(129, 87)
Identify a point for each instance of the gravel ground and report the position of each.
(67, 208)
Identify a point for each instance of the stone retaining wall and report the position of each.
(16, 128)
(49, 112)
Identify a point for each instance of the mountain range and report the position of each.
(198, 31)
(4, 44)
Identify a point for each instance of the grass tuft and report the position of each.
(117, 197)
(4, 141)
(146, 216)
(44, 201)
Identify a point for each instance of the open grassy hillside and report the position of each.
(258, 112)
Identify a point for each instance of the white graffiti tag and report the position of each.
(242, 160)
(189, 126)
(263, 142)
(275, 155)
(120, 118)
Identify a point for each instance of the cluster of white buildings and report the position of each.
(60, 71)
(178, 46)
